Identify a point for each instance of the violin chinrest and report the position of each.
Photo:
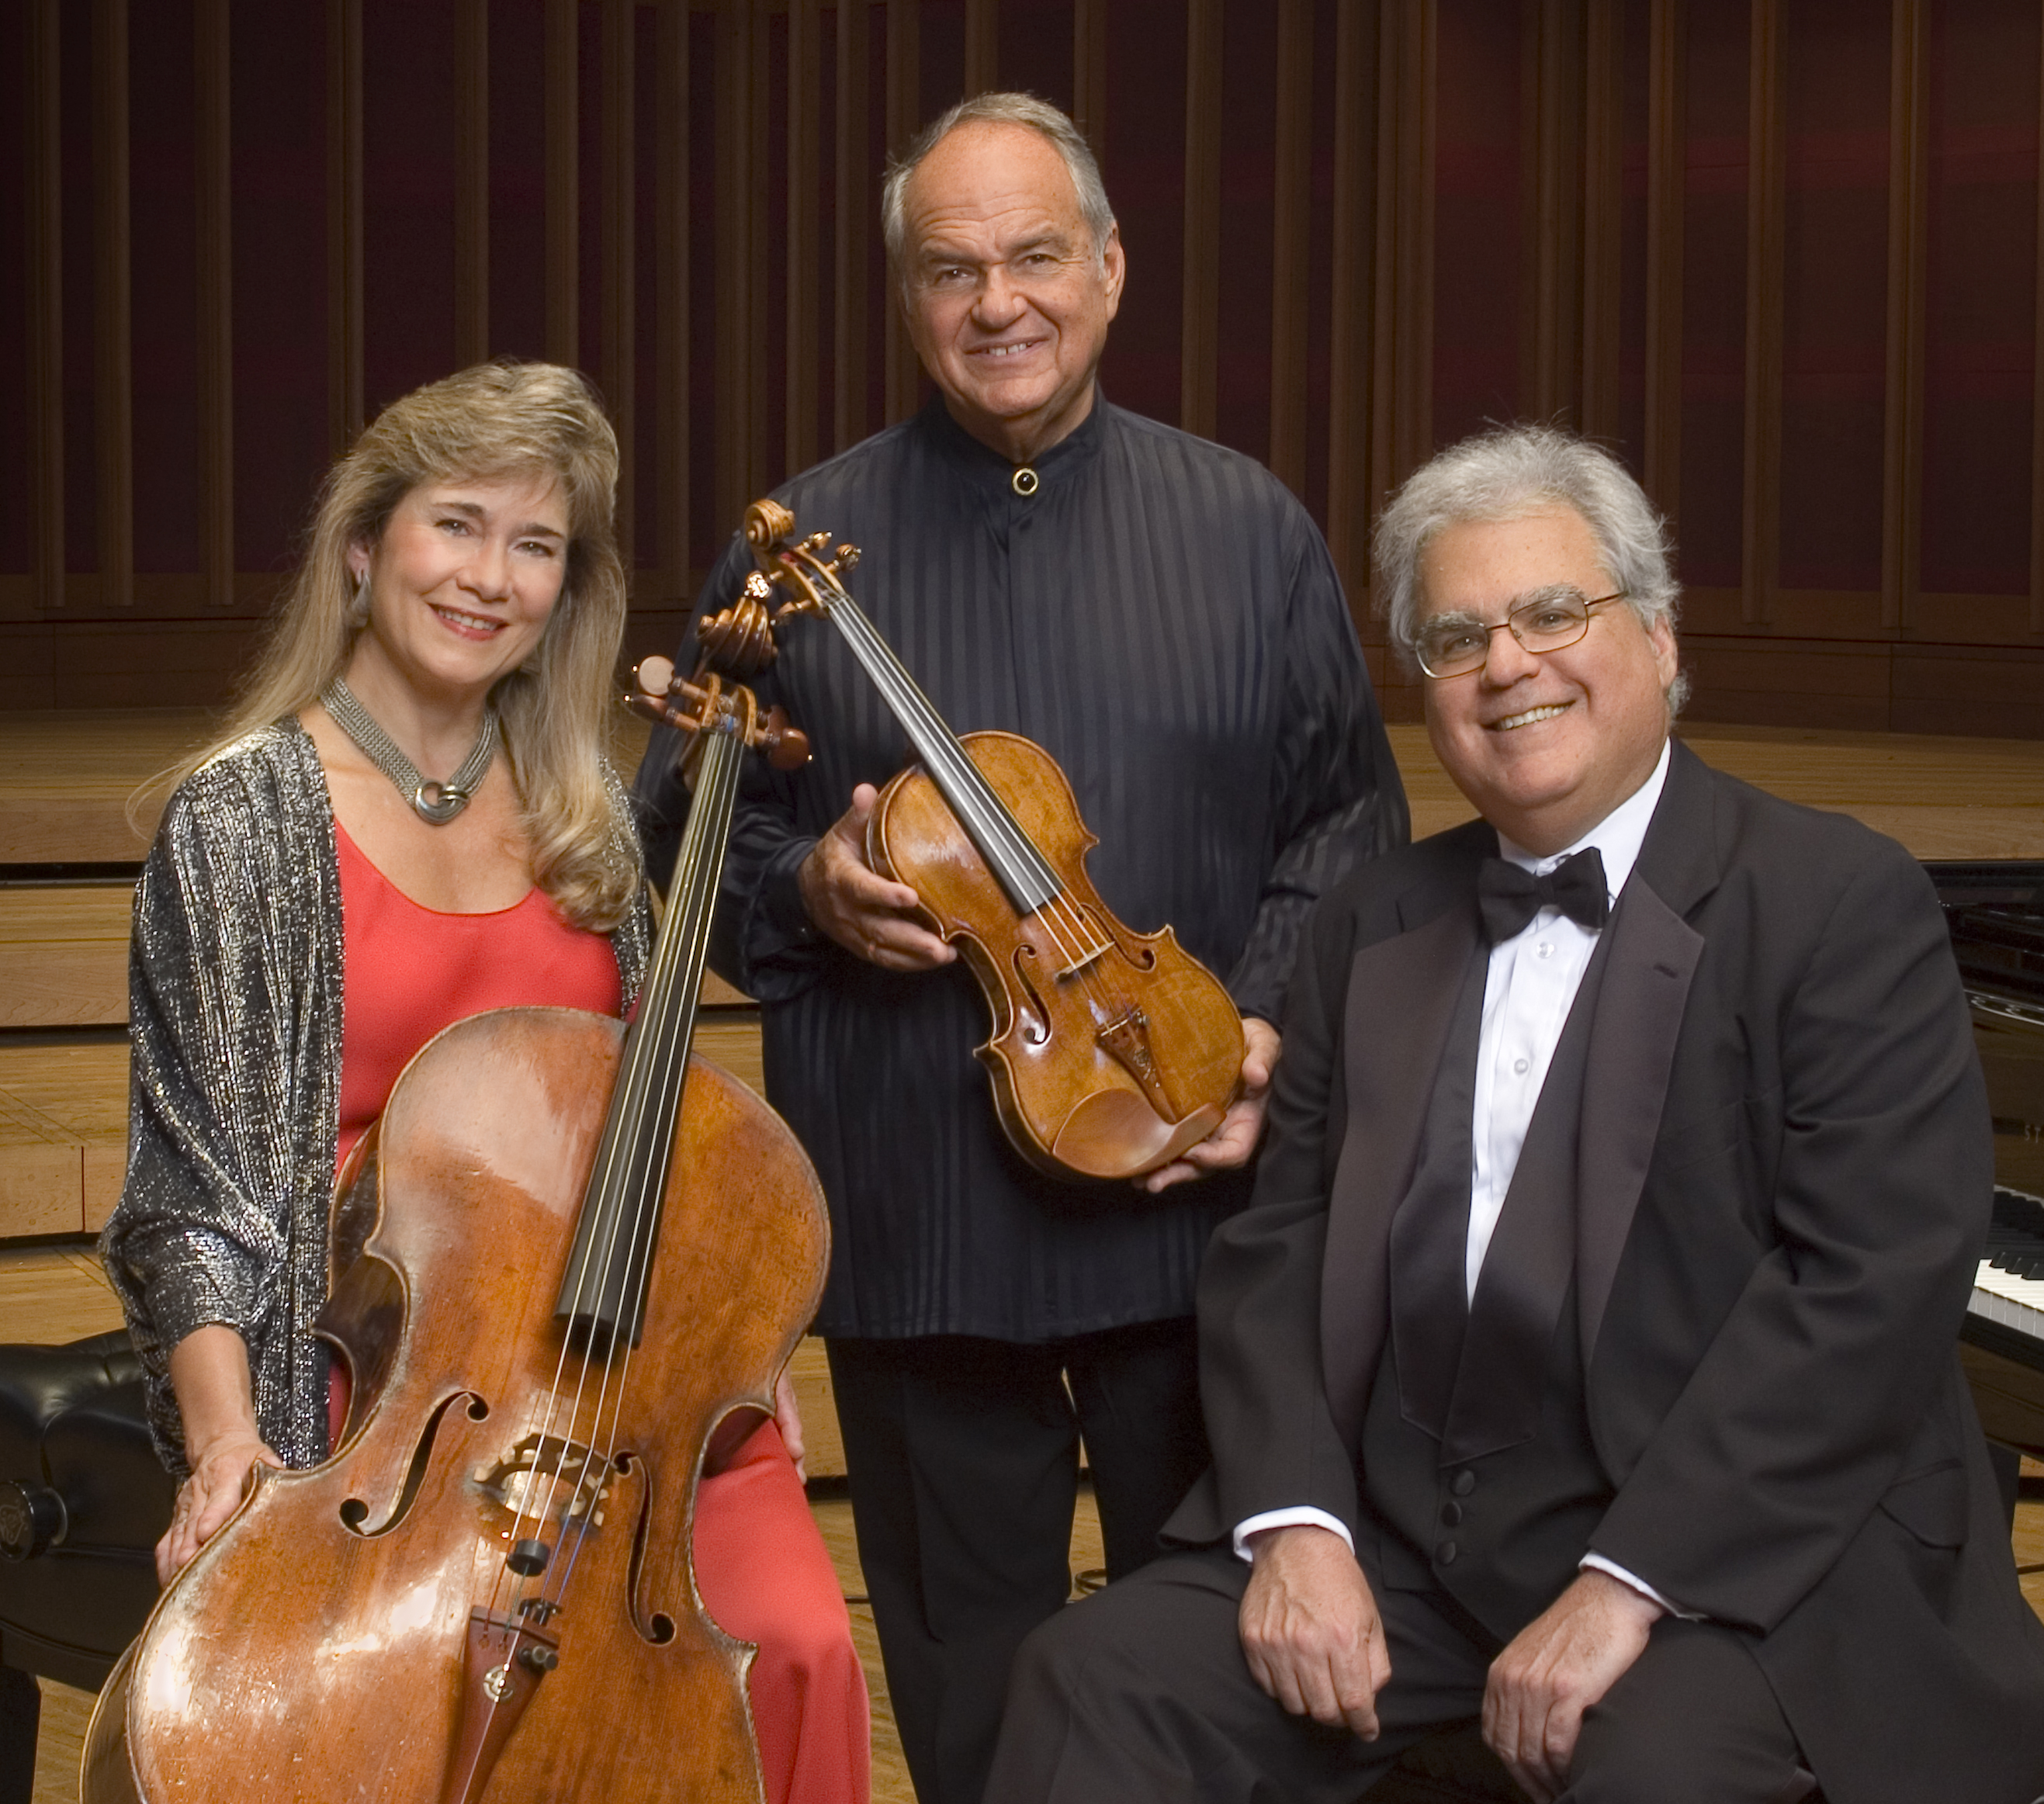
(1115, 1134)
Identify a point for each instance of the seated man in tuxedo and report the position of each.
(1584, 1362)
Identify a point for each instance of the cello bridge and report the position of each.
(548, 1472)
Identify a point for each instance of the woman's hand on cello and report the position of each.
(869, 916)
(1230, 1144)
(220, 1477)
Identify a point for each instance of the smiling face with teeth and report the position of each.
(1007, 298)
(1544, 746)
(461, 583)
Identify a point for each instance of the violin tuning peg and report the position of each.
(655, 675)
(759, 585)
(848, 557)
(816, 542)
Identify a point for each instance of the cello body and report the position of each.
(349, 1635)
(1106, 1070)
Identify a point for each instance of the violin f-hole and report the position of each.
(1036, 1019)
(1138, 953)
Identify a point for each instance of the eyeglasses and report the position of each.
(1452, 645)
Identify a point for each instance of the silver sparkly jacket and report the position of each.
(235, 1015)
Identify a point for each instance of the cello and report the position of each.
(1110, 1052)
(588, 1256)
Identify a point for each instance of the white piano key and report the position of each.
(2014, 1302)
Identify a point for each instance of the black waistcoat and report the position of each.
(1494, 1500)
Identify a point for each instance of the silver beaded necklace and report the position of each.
(436, 804)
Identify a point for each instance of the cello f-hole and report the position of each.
(354, 1512)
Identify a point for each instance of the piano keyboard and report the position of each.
(2009, 1289)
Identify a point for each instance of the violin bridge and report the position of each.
(1079, 964)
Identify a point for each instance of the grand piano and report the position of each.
(1995, 912)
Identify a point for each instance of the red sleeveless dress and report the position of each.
(409, 971)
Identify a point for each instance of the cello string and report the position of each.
(622, 1177)
(715, 795)
(644, 1058)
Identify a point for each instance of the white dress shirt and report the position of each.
(1527, 992)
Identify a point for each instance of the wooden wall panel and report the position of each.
(904, 116)
(1291, 242)
(471, 211)
(1662, 454)
(113, 393)
(617, 367)
(669, 491)
(213, 407)
(1200, 278)
(564, 196)
(1761, 513)
(343, 222)
(45, 272)
(851, 231)
(1658, 169)
(1902, 497)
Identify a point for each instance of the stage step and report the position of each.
(63, 954)
(64, 1135)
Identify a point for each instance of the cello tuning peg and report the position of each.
(787, 747)
(816, 542)
(760, 586)
(848, 557)
(655, 676)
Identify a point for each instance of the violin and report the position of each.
(590, 1255)
(1110, 1052)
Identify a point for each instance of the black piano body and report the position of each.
(1995, 913)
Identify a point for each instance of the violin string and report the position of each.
(1000, 835)
(1078, 947)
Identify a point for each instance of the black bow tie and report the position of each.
(1510, 896)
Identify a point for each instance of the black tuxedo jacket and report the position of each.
(1784, 1181)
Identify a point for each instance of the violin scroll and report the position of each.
(809, 568)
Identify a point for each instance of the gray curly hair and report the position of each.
(997, 109)
(1505, 473)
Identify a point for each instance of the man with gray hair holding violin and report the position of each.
(1160, 616)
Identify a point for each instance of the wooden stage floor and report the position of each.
(65, 782)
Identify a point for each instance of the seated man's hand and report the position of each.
(1310, 1630)
(1230, 1144)
(869, 916)
(1554, 1669)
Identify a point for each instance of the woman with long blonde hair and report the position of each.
(409, 818)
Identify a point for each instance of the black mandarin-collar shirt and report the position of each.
(1163, 617)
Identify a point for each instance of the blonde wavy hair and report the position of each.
(497, 420)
